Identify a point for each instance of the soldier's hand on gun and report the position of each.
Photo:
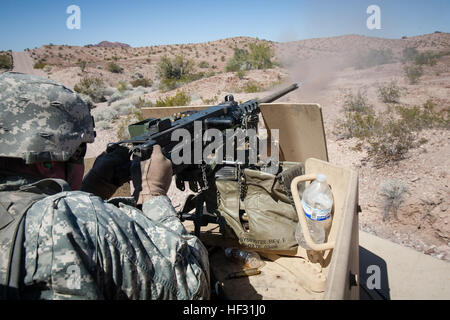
(110, 171)
(155, 176)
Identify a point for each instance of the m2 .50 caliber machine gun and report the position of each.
(199, 175)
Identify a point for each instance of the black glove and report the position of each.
(110, 170)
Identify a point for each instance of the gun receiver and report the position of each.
(228, 114)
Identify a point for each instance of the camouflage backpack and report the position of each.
(13, 208)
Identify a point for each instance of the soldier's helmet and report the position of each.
(41, 120)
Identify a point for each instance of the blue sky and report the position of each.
(29, 24)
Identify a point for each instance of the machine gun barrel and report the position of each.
(278, 94)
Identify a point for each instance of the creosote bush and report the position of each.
(82, 64)
(142, 82)
(357, 102)
(252, 87)
(114, 68)
(203, 64)
(142, 103)
(417, 118)
(391, 142)
(92, 87)
(179, 99)
(39, 65)
(174, 72)
(357, 124)
(5, 61)
(259, 57)
(240, 74)
(426, 58)
(413, 72)
(390, 135)
(389, 93)
(178, 71)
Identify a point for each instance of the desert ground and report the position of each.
(327, 67)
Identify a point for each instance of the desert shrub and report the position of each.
(260, 56)
(174, 72)
(240, 74)
(374, 58)
(209, 74)
(180, 99)
(389, 93)
(210, 101)
(388, 136)
(393, 194)
(114, 68)
(391, 142)
(416, 118)
(203, 64)
(103, 125)
(413, 72)
(5, 61)
(142, 82)
(239, 61)
(105, 115)
(125, 108)
(109, 91)
(39, 65)
(82, 64)
(357, 125)
(93, 87)
(252, 87)
(142, 103)
(356, 102)
(122, 86)
(426, 58)
(116, 96)
(176, 68)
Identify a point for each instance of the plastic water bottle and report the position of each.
(317, 202)
(248, 259)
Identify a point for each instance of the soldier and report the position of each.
(61, 244)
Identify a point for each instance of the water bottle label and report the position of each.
(316, 214)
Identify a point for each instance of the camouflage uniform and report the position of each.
(77, 246)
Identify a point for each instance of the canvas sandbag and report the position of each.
(265, 201)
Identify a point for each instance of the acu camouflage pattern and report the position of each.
(79, 247)
(41, 120)
(13, 206)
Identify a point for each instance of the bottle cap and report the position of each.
(321, 177)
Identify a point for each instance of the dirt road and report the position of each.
(24, 63)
